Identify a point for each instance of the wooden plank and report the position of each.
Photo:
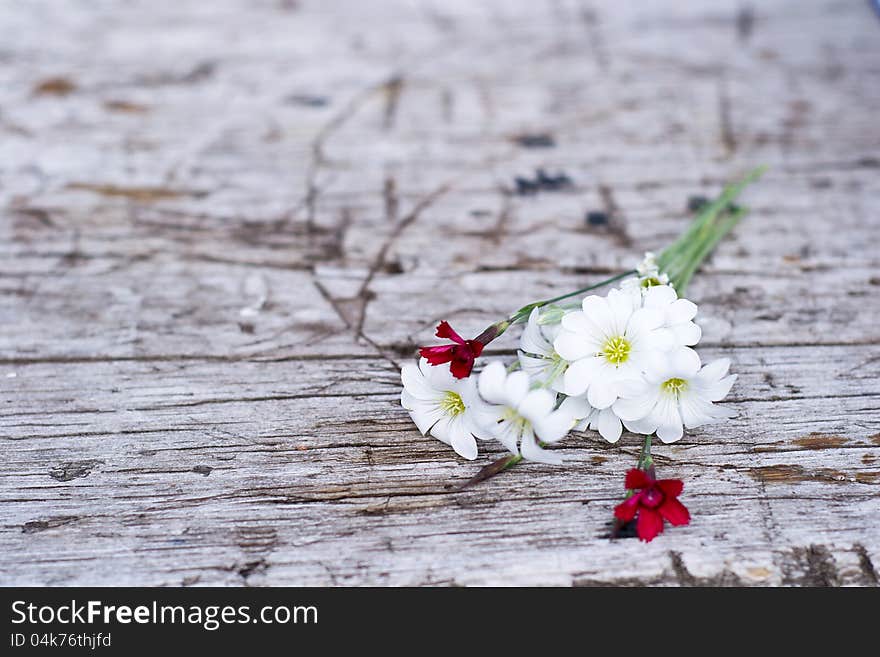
(187, 459)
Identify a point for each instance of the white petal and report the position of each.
(439, 377)
(532, 340)
(532, 452)
(724, 387)
(708, 383)
(407, 400)
(599, 316)
(636, 408)
(633, 387)
(656, 366)
(643, 322)
(467, 388)
(550, 331)
(462, 440)
(687, 333)
(715, 370)
(573, 346)
(554, 427)
(644, 427)
(491, 382)
(487, 416)
(508, 435)
(719, 391)
(669, 425)
(609, 426)
(479, 422)
(670, 433)
(580, 375)
(659, 296)
(536, 405)
(558, 383)
(634, 292)
(415, 383)
(582, 425)
(602, 393)
(681, 311)
(577, 407)
(426, 368)
(424, 414)
(516, 387)
(660, 340)
(628, 371)
(440, 430)
(713, 389)
(722, 412)
(576, 322)
(534, 367)
(623, 305)
(695, 412)
(684, 363)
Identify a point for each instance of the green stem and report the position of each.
(705, 247)
(512, 461)
(684, 256)
(645, 459)
(646, 463)
(589, 288)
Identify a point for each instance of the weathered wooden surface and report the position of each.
(225, 224)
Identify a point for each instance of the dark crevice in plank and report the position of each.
(265, 398)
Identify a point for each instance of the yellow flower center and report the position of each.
(510, 415)
(452, 403)
(675, 386)
(616, 350)
(651, 282)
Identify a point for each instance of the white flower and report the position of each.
(520, 414)
(537, 357)
(446, 407)
(609, 341)
(675, 391)
(605, 421)
(648, 266)
(648, 274)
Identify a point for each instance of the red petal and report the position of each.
(444, 330)
(475, 347)
(671, 487)
(461, 367)
(675, 512)
(650, 524)
(626, 511)
(437, 355)
(637, 479)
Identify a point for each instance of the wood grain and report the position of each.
(223, 229)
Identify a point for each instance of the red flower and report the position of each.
(654, 501)
(461, 354)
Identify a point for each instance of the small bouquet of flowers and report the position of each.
(625, 360)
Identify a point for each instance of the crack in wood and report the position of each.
(811, 566)
(392, 89)
(866, 565)
(725, 121)
(591, 20)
